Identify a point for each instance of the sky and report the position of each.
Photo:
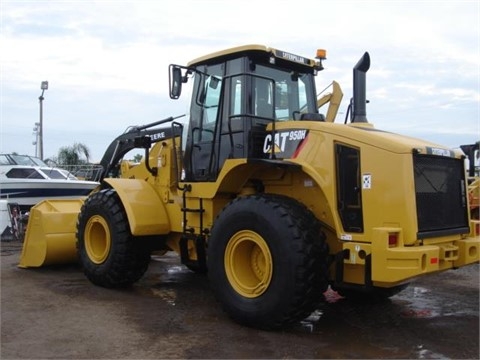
(107, 62)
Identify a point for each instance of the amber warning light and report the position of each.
(321, 54)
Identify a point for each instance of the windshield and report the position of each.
(275, 94)
(282, 94)
(27, 160)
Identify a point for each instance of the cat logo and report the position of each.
(286, 142)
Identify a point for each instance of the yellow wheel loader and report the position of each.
(258, 190)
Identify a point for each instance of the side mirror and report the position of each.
(175, 81)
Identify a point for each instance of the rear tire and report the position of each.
(111, 257)
(267, 261)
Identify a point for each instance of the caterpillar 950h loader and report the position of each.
(273, 200)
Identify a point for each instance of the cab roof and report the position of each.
(251, 49)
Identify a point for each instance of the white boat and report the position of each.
(26, 180)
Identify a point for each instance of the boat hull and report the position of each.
(27, 193)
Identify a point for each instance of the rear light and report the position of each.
(392, 240)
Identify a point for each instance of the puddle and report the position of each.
(420, 313)
(310, 322)
(163, 282)
(422, 304)
(177, 269)
(167, 295)
(422, 353)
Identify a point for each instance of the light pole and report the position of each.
(43, 86)
(35, 142)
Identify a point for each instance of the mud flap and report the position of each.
(50, 237)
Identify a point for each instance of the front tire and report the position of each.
(267, 261)
(111, 257)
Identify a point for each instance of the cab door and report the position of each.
(199, 152)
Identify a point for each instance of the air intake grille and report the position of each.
(440, 195)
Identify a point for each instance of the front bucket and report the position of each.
(50, 237)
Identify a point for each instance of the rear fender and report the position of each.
(145, 210)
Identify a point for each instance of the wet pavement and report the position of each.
(55, 312)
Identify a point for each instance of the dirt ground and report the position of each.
(56, 313)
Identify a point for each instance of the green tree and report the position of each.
(77, 154)
(137, 158)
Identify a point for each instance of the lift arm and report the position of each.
(135, 137)
(334, 99)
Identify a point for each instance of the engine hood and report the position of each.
(366, 133)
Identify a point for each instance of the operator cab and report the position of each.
(236, 94)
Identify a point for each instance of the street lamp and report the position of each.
(43, 87)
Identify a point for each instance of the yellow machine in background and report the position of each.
(273, 200)
(472, 151)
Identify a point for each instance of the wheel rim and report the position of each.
(248, 263)
(97, 239)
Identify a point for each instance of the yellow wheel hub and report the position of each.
(248, 263)
(97, 239)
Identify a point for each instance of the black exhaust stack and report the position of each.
(359, 111)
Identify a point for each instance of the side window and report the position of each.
(290, 97)
(263, 97)
(23, 173)
(200, 150)
(281, 101)
(208, 101)
(211, 102)
(476, 162)
(236, 96)
(302, 95)
(54, 174)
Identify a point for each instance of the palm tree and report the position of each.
(72, 155)
(137, 158)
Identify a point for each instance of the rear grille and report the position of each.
(440, 196)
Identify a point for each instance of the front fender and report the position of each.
(145, 210)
